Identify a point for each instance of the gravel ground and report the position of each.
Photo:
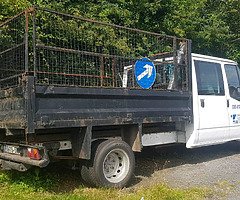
(216, 167)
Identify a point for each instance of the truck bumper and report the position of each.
(21, 162)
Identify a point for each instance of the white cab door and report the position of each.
(213, 120)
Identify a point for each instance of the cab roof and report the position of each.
(195, 55)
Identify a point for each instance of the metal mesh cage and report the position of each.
(12, 50)
(65, 50)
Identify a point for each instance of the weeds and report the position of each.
(62, 184)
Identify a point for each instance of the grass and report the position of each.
(64, 184)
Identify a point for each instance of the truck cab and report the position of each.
(216, 95)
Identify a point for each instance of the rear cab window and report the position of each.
(209, 78)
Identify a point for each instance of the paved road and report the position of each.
(217, 167)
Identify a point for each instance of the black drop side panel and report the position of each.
(12, 109)
(58, 107)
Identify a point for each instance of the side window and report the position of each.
(232, 73)
(209, 78)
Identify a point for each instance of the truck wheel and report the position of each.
(112, 165)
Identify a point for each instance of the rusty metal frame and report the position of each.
(106, 24)
(110, 76)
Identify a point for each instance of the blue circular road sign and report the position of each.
(145, 73)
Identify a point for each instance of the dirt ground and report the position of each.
(216, 167)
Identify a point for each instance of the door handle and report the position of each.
(202, 103)
(228, 103)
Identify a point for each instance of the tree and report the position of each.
(213, 25)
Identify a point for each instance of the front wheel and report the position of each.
(112, 165)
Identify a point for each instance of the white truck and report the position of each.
(215, 104)
(215, 93)
(93, 93)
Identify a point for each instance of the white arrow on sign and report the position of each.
(148, 72)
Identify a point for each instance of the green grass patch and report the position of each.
(65, 185)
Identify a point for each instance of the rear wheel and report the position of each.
(112, 165)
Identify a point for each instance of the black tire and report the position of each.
(112, 165)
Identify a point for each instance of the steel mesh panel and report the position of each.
(81, 52)
(65, 50)
(12, 51)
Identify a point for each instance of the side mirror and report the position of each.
(238, 90)
(234, 92)
(237, 93)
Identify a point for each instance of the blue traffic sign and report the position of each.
(145, 73)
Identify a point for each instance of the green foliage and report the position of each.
(60, 185)
(211, 24)
(8, 8)
(32, 181)
(207, 23)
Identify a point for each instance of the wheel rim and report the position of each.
(116, 165)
